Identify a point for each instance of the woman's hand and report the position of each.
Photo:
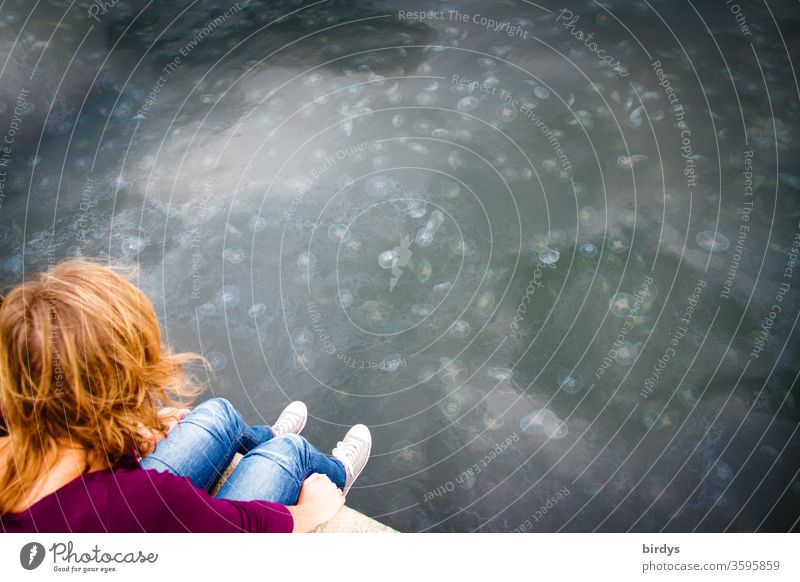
(319, 500)
(170, 417)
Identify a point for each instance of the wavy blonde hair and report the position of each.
(81, 365)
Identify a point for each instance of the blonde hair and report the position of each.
(81, 365)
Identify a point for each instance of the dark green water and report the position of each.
(256, 159)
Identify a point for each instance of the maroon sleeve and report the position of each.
(162, 502)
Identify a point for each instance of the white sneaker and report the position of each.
(292, 420)
(353, 452)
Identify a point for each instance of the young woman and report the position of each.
(96, 440)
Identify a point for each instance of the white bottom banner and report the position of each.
(376, 557)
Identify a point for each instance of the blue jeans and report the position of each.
(273, 468)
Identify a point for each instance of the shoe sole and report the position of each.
(302, 426)
(355, 477)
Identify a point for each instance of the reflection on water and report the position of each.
(460, 235)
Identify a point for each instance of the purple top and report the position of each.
(131, 499)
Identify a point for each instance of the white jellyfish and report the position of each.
(388, 259)
(500, 374)
(544, 422)
(460, 329)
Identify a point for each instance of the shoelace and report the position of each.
(347, 453)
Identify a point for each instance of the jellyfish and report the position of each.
(345, 298)
(416, 208)
(549, 256)
(709, 241)
(569, 381)
(587, 215)
(426, 373)
(460, 329)
(257, 223)
(453, 372)
(424, 237)
(485, 302)
(228, 296)
(392, 363)
(304, 338)
(618, 244)
(588, 250)
(217, 360)
(301, 361)
(421, 309)
(424, 270)
(408, 456)
(626, 353)
(491, 421)
(688, 395)
(442, 288)
(541, 92)
(622, 304)
(306, 261)
(636, 117)
(436, 220)
(440, 133)
(500, 374)
(425, 99)
(451, 407)
(650, 419)
(452, 190)
(460, 247)
(131, 246)
(506, 112)
(352, 246)
(467, 104)
(625, 162)
(388, 259)
(544, 422)
(206, 309)
(721, 473)
(379, 185)
(233, 256)
(337, 232)
(256, 310)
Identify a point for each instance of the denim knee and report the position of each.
(218, 416)
(219, 407)
(289, 450)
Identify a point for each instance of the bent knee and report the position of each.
(218, 406)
